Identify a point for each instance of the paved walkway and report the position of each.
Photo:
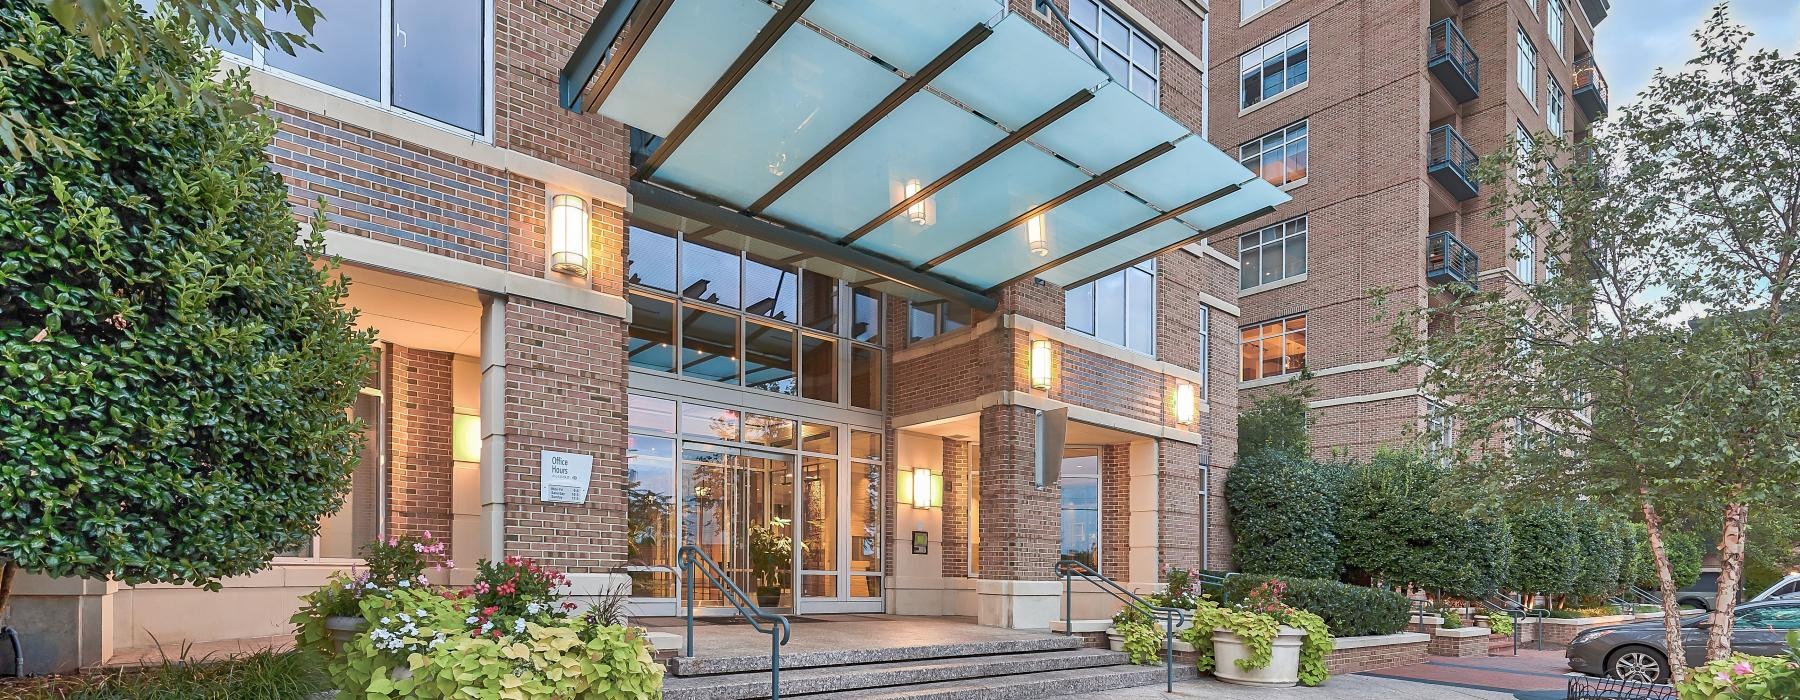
(1352, 687)
(733, 637)
(1530, 675)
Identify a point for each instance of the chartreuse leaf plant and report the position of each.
(1257, 622)
(505, 637)
(1743, 677)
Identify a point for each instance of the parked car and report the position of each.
(1785, 588)
(1702, 594)
(1635, 651)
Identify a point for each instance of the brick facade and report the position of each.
(1389, 654)
(1369, 103)
(419, 453)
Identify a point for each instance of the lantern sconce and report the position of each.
(1040, 364)
(1186, 403)
(918, 212)
(569, 234)
(1034, 236)
(465, 438)
(920, 488)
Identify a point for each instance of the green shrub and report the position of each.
(1686, 554)
(1578, 613)
(174, 366)
(1283, 511)
(1349, 611)
(264, 675)
(1545, 551)
(1276, 422)
(1598, 553)
(1744, 677)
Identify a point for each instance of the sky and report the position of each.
(1638, 36)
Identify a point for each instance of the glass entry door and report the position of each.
(738, 506)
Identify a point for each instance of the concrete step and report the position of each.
(714, 665)
(1037, 685)
(888, 676)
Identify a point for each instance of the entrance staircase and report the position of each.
(1000, 669)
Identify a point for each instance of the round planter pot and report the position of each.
(344, 629)
(1115, 642)
(1284, 659)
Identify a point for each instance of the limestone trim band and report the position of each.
(388, 256)
(1080, 414)
(1059, 335)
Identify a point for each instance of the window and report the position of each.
(1522, 139)
(1553, 106)
(1440, 430)
(1273, 254)
(1129, 55)
(1775, 617)
(1527, 68)
(930, 319)
(1553, 25)
(1080, 483)
(1524, 253)
(423, 57)
(1251, 7)
(1205, 353)
(712, 313)
(360, 520)
(1119, 308)
(1273, 68)
(1278, 157)
(1273, 349)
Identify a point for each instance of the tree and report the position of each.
(1587, 383)
(1278, 421)
(1545, 559)
(1283, 508)
(176, 366)
(1600, 553)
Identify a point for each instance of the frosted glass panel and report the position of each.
(921, 140)
(691, 47)
(1092, 135)
(989, 78)
(1255, 195)
(905, 33)
(1180, 176)
(1130, 248)
(800, 96)
(1094, 215)
(1012, 183)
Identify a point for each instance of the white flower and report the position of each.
(471, 620)
(384, 622)
(405, 583)
(534, 608)
(370, 584)
(519, 625)
(421, 612)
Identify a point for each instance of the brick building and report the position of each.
(1388, 103)
(923, 286)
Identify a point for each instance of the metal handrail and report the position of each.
(1446, 147)
(1447, 40)
(1068, 569)
(778, 628)
(1518, 612)
(1447, 254)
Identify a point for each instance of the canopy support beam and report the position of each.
(950, 55)
(658, 197)
(1133, 230)
(1055, 202)
(580, 92)
(771, 32)
(1013, 139)
(1172, 247)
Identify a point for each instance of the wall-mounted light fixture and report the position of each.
(465, 438)
(1034, 236)
(1187, 403)
(919, 488)
(568, 234)
(1040, 364)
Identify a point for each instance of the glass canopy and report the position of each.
(942, 144)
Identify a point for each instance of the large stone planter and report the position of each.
(344, 629)
(1284, 659)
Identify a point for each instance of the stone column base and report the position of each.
(1025, 605)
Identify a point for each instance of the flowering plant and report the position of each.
(1180, 591)
(1742, 677)
(508, 595)
(1257, 621)
(404, 558)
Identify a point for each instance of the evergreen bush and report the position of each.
(1349, 611)
(1545, 551)
(1284, 509)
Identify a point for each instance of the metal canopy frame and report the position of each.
(606, 51)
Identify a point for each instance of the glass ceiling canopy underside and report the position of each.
(927, 133)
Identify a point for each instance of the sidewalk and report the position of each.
(1351, 687)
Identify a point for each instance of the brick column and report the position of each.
(1115, 513)
(420, 410)
(956, 508)
(1021, 525)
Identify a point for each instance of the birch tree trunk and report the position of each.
(1731, 571)
(1665, 583)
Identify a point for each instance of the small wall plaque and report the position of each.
(921, 542)
(563, 476)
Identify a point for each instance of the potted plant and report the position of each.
(1136, 631)
(1261, 641)
(395, 563)
(771, 559)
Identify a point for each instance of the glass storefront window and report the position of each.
(865, 316)
(650, 514)
(769, 431)
(814, 586)
(865, 445)
(708, 422)
(818, 368)
(1081, 506)
(709, 346)
(865, 520)
(770, 289)
(865, 377)
(769, 358)
(819, 303)
(651, 415)
(652, 260)
(709, 274)
(818, 512)
(816, 437)
(652, 344)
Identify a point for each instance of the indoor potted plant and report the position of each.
(771, 558)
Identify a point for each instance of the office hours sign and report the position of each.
(563, 476)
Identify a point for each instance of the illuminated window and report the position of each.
(1274, 349)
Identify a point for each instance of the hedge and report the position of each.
(1283, 510)
(1350, 611)
(1546, 551)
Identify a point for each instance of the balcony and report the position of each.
(1590, 88)
(1453, 61)
(1448, 261)
(1596, 10)
(1451, 162)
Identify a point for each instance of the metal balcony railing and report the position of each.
(1453, 60)
(1448, 261)
(1451, 162)
(1590, 90)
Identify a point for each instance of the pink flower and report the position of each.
(451, 564)
(427, 534)
(1721, 677)
(1742, 668)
